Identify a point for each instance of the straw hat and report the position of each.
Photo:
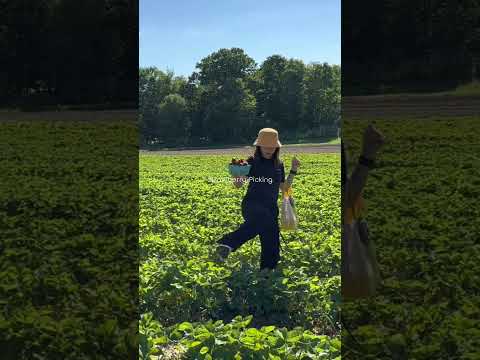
(267, 137)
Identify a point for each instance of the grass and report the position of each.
(470, 89)
(329, 142)
(312, 142)
(464, 90)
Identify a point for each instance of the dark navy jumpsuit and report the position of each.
(260, 211)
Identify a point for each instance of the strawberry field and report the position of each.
(423, 213)
(68, 240)
(194, 308)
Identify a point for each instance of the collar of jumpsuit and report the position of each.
(260, 189)
(265, 159)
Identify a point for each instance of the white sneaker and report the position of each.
(222, 252)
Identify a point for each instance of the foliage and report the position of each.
(68, 52)
(69, 220)
(470, 89)
(423, 215)
(405, 46)
(185, 209)
(234, 340)
(230, 98)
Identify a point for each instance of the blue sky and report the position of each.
(177, 34)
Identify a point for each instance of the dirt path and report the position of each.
(247, 150)
(70, 115)
(408, 106)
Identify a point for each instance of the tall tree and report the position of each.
(172, 122)
(293, 94)
(78, 52)
(322, 83)
(269, 94)
(226, 101)
(225, 64)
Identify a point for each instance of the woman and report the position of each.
(359, 268)
(259, 206)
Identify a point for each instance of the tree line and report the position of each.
(68, 52)
(409, 45)
(229, 98)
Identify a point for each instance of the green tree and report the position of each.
(154, 87)
(230, 111)
(269, 91)
(194, 94)
(172, 122)
(228, 100)
(293, 94)
(76, 52)
(323, 95)
(224, 103)
(225, 64)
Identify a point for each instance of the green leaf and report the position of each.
(185, 326)
(252, 332)
(162, 340)
(194, 344)
(220, 342)
(247, 320)
(268, 329)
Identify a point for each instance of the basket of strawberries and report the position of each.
(239, 167)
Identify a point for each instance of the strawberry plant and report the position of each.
(423, 215)
(68, 247)
(205, 310)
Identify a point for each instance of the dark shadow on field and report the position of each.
(263, 295)
(244, 291)
(272, 300)
(199, 289)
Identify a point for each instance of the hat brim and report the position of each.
(279, 144)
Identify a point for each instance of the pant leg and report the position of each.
(248, 230)
(270, 242)
(237, 238)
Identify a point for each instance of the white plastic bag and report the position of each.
(360, 277)
(288, 218)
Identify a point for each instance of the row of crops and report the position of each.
(71, 261)
(424, 216)
(192, 307)
(68, 240)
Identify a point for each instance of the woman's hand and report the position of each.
(373, 140)
(289, 180)
(239, 180)
(295, 163)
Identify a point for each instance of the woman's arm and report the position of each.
(372, 142)
(355, 184)
(284, 186)
(288, 182)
